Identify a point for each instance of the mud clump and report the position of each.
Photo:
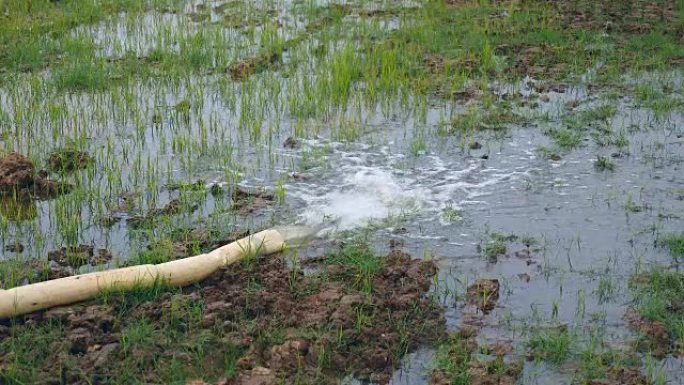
(628, 17)
(246, 202)
(245, 68)
(489, 366)
(259, 315)
(68, 160)
(622, 376)
(18, 177)
(16, 172)
(479, 362)
(174, 207)
(656, 338)
(15, 248)
(291, 143)
(483, 293)
(76, 256)
(201, 239)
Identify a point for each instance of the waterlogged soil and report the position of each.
(67, 160)
(79, 255)
(20, 180)
(483, 294)
(268, 323)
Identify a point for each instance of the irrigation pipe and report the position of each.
(181, 272)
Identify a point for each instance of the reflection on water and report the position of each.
(17, 209)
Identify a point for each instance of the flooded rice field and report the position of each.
(497, 190)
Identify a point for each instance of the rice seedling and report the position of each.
(553, 346)
(603, 164)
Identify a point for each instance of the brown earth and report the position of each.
(483, 293)
(479, 363)
(490, 367)
(76, 256)
(174, 207)
(291, 143)
(622, 376)
(68, 160)
(630, 16)
(623, 19)
(14, 247)
(325, 327)
(246, 202)
(18, 177)
(656, 338)
(243, 69)
(16, 172)
(203, 240)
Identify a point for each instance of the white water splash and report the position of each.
(364, 195)
(374, 186)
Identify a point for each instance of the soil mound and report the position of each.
(18, 176)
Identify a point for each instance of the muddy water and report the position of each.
(591, 226)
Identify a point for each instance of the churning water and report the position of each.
(372, 185)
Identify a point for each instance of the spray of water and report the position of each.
(372, 186)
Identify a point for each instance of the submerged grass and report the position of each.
(31, 33)
(553, 346)
(675, 243)
(658, 302)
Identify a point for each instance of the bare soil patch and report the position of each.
(265, 321)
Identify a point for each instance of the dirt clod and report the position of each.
(488, 372)
(66, 160)
(173, 207)
(291, 143)
(483, 293)
(656, 338)
(18, 178)
(622, 376)
(16, 172)
(243, 69)
(14, 248)
(80, 255)
(257, 376)
(246, 201)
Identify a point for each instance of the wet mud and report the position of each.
(76, 256)
(282, 326)
(68, 160)
(20, 180)
(247, 201)
(174, 207)
(465, 358)
(483, 293)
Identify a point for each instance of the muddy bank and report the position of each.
(258, 322)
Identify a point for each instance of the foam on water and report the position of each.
(372, 186)
(364, 194)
